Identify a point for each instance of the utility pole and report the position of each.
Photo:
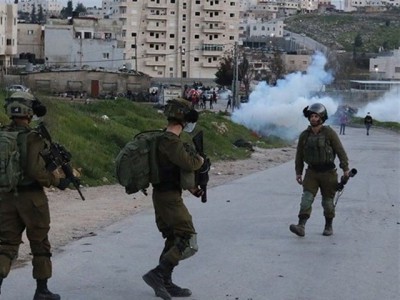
(182, 52)
(136, 64)
(235, 83)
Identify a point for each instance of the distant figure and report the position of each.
(229, 104)
(368, 122)
(343, 122)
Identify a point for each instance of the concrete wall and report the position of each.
(82, 81)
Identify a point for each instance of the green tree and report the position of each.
(33, 15)
(246, 73)
(41, 17)
(80, 8)
(358, 42)
(224, 74)
(67, 11)
(277, 67)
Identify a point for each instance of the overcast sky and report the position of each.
(86, 3)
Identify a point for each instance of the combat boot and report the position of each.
(155, 279)
(1, 282)
(328, 227)
(299, 229)
(43, 293)
(175, 290)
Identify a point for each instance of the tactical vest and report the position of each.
(318, 150)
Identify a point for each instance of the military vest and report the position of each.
(318, 150)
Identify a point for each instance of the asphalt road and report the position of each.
(246, 250)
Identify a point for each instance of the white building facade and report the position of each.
(8, 34)
(386, 67)
(178, 39)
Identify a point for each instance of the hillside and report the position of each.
(339, 30)
(94, 133)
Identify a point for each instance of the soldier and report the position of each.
(317, 147)
(26, 207)
(177, 162)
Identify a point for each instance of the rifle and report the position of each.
(342, 183)
(201, 175)
(57, 156)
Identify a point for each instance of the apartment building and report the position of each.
(178, 39)
(50, 7)
(386, 66)
(84, 43)
(31, 40)
(8, 35)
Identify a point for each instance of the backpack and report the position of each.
(136, 163)
(11, 171)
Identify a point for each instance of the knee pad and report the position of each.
(187, 245)
(306, 200)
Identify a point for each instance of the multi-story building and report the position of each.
(8, 35)
(50, 7)
(84, 42)
(178, 39)
(386, 66)
(31, 40)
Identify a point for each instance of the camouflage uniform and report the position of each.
(319, 151)
(172, 217)
(27, 209)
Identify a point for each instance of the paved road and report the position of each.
(246, 250)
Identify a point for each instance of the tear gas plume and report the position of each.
(278, 110)
(386, 108)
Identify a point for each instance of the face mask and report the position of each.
(189, 127)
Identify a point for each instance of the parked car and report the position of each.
(18, 88)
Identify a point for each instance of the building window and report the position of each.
(196, 59)
(87, 35)
(197, 13)
(30, 32)
(196, 36)
(106, 55)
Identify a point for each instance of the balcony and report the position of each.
(155, 40)
(153, 5)
(214, 7)
(152, 63)
(154, 28)
(214, 64)
(213, 19)
(156, 17)
(152, 51)
(207, 29)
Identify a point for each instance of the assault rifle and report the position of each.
(57, 156)
(201, 175)
(342, 183)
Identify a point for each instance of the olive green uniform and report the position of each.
(172, 217)
(319, 152)
(27, 209)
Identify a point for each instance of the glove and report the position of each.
(64, 183)
(196, 192)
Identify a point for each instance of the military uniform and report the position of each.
(172, 217)
(318, 147)
(176, 162)
(27, 208)
(319, 151)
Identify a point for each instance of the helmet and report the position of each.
(23, 104)
(316, 108)
(180, 110)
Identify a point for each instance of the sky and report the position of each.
(86, 3)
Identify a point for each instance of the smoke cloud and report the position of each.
(278, 110)
(387, 108)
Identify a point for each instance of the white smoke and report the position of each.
(386, 108)
(278, 110)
